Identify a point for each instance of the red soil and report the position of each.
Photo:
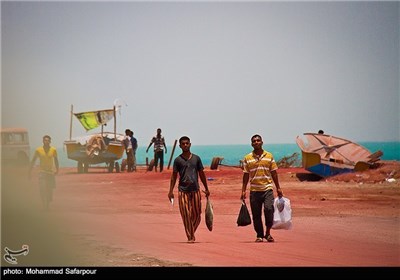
(125, 219)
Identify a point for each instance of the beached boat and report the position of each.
(95, 148)
(327, 155)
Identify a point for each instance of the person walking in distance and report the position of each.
(49, 167)
(128, 150)
(259, 167)
(190, 167)
(159, 146)
(134, 148)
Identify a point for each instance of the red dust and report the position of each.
(125, 219)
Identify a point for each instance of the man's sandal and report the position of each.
(270, 238)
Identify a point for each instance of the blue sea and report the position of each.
(232, 154)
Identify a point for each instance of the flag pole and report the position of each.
(70, 124)
(115, 125)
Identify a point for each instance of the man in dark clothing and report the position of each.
(189, 167)
(134, 148)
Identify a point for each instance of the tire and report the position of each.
(123, 165)
(110, 167)
(85, 167)
(151, 165)
(214, 163)
(80, 167)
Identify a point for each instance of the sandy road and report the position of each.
(103, 219)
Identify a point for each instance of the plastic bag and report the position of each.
(244, 218)
(209, 215)
(283, 218)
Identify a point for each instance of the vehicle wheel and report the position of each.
(80, 167)
(85, 167)
(151, 165)
(123, 165)
(117, 167)
(110, 166)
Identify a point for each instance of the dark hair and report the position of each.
(183, 138)
(47, 136)
(254, 136)
(320, 131)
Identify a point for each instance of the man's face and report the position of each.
(256, 142)
(185, 145)
(46, 141)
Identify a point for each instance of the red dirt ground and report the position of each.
(125, 219)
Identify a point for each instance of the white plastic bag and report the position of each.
(282, 219)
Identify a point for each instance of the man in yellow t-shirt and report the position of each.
(259, 167)
(48, 169)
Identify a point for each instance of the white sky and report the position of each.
(218, 72)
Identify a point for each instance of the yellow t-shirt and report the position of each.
(47, 159)
(259, 169)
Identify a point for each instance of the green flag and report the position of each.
(90, 120)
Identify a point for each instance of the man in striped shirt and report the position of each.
(159, 146)
(259, 167)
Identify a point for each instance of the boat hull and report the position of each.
(86, 152)
(326, 155)
(78, 152)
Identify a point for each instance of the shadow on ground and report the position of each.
(309, 177)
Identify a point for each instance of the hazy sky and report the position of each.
(218, 72)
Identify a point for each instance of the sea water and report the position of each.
(232, 154)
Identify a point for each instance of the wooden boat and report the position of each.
(327, 155)
(95, 148)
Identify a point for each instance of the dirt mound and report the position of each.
(382, 171)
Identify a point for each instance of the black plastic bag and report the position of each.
(244, 218)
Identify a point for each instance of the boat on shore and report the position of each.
(95, 148)
(327, 155)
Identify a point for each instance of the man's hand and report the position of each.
(170, 196)
(280, 192)
(206, 192)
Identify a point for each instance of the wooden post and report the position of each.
(172, 154)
